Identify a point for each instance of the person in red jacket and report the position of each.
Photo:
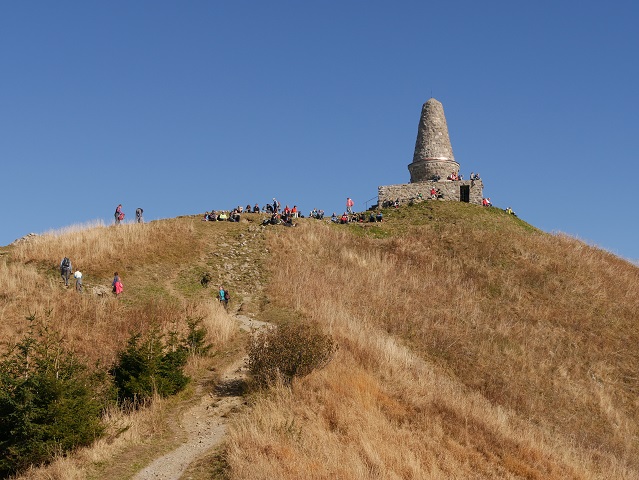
(349, 205)
(119, 214)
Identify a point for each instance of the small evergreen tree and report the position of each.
(195, 340)
(49, 402)
(147, 366)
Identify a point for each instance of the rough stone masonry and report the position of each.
(433, 158)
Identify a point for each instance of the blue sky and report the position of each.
(181, 107)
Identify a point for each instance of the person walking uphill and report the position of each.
(65, 270)
(223, 295)
(78, 280)
(119, 214)
(117, 284)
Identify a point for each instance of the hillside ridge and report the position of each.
(524, 359)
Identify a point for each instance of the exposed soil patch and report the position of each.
(204, 423)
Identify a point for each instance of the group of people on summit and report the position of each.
(278, 216)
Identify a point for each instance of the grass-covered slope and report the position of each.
(161, 265)
(472, 346)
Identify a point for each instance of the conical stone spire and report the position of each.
(433, 152)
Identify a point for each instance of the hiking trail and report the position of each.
(206, 421)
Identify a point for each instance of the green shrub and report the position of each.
(195, 340)
(49, 402)
(288, 351)
(149, 365)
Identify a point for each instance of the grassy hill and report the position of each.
(471, 345)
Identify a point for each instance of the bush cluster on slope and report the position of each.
(52, 403)
(288, 351)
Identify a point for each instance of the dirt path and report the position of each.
(205, 422)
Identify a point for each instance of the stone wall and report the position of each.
(450, 189)
(424, 170)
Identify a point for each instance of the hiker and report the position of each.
(379, 216)
(276, 206)
(349, 205)
(138, 215)
(78, 281)
(223, 296)
(117, 284)
(65, 270)
(119, 214)
(256, 208)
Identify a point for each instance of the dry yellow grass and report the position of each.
(160, 264)
(472, 347)
(126, 430)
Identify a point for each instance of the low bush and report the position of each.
(288, 351)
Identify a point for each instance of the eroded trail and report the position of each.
(205, 422)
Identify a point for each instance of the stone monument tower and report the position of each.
(433, 152)
(433, 163)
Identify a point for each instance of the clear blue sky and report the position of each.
(182, 107)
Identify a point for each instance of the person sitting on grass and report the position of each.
(379, 217)
(273, 220)
(344, 218)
